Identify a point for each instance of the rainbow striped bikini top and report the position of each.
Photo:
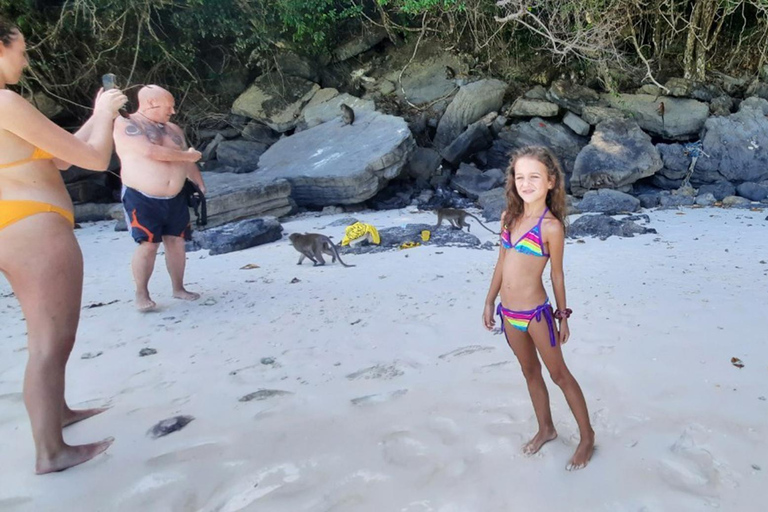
(529, 243)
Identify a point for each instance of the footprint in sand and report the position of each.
(401, 449)
(692, 468)
(199, 451)
(465, 351)
(378, 398)
(380, 371)
(242, 494)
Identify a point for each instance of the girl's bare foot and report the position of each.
(541, 438)
(71, 416)
(71, 456)
(144, 303)
(185, 295)
(583, 453)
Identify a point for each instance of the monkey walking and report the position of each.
(312, 246)
(347, 114)
(660, 110)
(457, 218)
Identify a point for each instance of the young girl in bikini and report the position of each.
(533, 231)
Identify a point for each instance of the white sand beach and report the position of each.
(397, 399)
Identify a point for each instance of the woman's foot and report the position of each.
(541, 438)
(185, 295)
(71, 456)
(71, 416)
(583, 453)
(144, 304)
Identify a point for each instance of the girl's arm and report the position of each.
(493, 291)
(555, 236)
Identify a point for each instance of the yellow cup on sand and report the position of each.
(425, 236)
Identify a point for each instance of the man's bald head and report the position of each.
(156, 103)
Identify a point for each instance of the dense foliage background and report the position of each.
(207, 50)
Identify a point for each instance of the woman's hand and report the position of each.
(488, 320)
(565, 332)
(109, 102)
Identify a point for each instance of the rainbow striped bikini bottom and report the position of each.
(521, 319)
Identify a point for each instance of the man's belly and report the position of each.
(154, 178)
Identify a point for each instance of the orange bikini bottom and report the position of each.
(14, 211)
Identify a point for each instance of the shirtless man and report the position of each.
(156, 163)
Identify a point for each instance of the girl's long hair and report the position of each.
(555, 197)
(8, 31)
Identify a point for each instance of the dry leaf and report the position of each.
(735, 361)
(250, 266)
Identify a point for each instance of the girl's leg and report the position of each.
(44, 265)
(522, 345)
(553, 360)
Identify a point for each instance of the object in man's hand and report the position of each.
(109, 81)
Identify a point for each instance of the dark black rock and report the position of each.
(476, 137)
(720, 190)
(445, 198)
(398, 194)
(263, 394)
(147, 352)
(169, 426)
(472, 182)
(239, 235)
(603, 227)
(753, 191)
(608, 201)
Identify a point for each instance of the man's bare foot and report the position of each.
(541, 438)
(582, 454)
(185, 295)
(71, 416)
(144, 303)
(72, 456)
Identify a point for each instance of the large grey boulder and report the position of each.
(676, 161)
(537, 132)
(472, 182)
(239, 235)
(425, 80)
(571, 96)
(471, 103)
(328, 110)
(475, 138)
(608, 201)
(683, 118)
(753, 191)
(240, 153)
(523, 107)
(423, 163)
(619, 154)
(736, 146)
(603, 226)
(493, 203)
(359, 43)
(239, 196)
(333, 163)
(594, 115)
(276, 100)
(719, 190)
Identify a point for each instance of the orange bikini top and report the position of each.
(37, 154)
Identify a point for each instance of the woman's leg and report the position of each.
(522, 345)
(42, 260)
(553, 360)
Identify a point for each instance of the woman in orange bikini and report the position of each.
(39, 254)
